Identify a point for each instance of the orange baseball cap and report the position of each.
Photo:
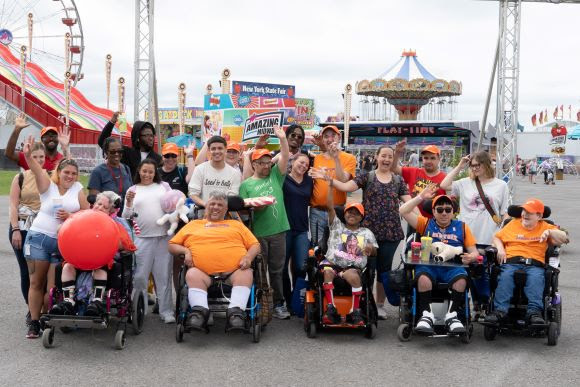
(331, 127)
(534, 206)
(439, 197)
(170, 147)
(47, 129)
(358, 206)
(259, 153)
(234, 146)
(431, 149)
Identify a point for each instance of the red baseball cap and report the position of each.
(533, 206)
(260, 153)
(47, 129)
(431, 149)
(358, 206)
(331, 127)
(233, 146)
(168, 148)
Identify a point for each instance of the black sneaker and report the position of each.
(235, 318)
(33, 330)
(28, 318)
(95, 309)
(495, 317)
(536, 319)
(63, 308)
(197, 319)
(331, 316)
(355, 317)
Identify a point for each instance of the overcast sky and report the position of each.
(320, 45)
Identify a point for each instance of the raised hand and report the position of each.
(64, 136)
(20, 122)
(317, 140)
(28, 143)
(189, 149)
(400, 146)
(429, 192)
(262, 141)
(279, 132)
(464, 162)
(114, 117)
(318, 173)
(333, 150)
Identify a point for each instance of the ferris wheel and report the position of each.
(50, 30)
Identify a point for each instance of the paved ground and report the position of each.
(285, 356)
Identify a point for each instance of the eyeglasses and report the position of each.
(474, 166)
(116, 152)
(296, 135)
(264, 163)
(169, 156)
(447, 210)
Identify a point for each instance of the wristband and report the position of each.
(15, 228)
(189, 156)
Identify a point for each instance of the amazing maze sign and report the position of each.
(259, 124)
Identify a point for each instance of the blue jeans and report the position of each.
(24, 279)
(534, 289)
(318, 221)
(297, 245)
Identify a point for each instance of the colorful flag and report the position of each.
(555, 113)
(534, 120)
(541, 118)
(546, 116)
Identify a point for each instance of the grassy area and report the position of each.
(7, 176)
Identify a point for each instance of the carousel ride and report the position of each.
(407, 86)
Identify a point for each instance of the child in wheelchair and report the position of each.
(442, 228)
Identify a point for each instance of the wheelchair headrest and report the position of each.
(515, 211)
(427, 205)
(235, 203)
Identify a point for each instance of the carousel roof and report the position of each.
(407, 67)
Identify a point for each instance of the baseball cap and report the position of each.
(259, 153)
(358, 206)
(47, 129)
(431, 149)
(437, 198)
(533, 206)
(331, 127)
(233, 146)
(170, 148)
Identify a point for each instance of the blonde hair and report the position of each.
(61, 165)
(484, 160)
(37, 146)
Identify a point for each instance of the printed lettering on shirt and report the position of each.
(521, 237)
(351, 248)
(217, 182)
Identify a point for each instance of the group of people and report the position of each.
(305, 189)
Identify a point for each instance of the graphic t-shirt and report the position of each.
(175, 178)
(345, 247)
(206, 179)
(348, 164)
(455, 234)
(472, 210)
(272, 219)
(418, 180)
(216, 247)
(520, 242)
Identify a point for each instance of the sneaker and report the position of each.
(280, 312)
(235, 318)
(355, 317)
(381, 312)
(453, 324)
(425, 324)
(197, 319)
(535, 319)
(95, 309)
(63, 308)
(495, 317)
(168, 319)
(28, 318)
(33, 329)
(331, 316)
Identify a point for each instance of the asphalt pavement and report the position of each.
(285, 356)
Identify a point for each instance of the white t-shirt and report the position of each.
(472, 210)
(206, 179)
(50, 201)
(147, 206)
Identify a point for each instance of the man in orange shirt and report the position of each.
(522, 245)
(338, 165)
(215, 246)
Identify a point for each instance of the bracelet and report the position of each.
(189, 156)
(15, 228)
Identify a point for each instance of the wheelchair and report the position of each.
(118, 299)
(515, 320)
(315, 302)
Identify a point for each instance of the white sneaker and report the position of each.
(280, 312)
(382, 313)
(453, 324)
(168, 319)
(425, 324)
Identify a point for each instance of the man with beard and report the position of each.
(142, 140)
(50, 138)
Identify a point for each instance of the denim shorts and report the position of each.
(443, 274)
(41, 247)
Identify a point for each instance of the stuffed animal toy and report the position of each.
(173, 203)
(443, 252)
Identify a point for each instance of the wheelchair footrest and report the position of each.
(81, 322)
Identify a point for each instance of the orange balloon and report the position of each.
(88, 240)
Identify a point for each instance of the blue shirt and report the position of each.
(105, 178)
(296, 200)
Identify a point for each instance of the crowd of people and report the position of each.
(306, 189)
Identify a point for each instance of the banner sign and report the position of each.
(409, 130)
(305, 115)
(193, 115)
(266, 90)
(259, 124)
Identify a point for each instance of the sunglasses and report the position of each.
(169, 156)
(447, 210)
(296, 135)
(116, 152)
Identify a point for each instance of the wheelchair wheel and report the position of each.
(489, 333)
(256, 332)
(48, 337)
(552, 333)
(179, 329)
(466, 337)
(138, 314)
(120, 339)
(404, 332)
(558, 317)
(371, 331)
(311, 329)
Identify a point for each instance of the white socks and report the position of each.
(240, 295)
(197, 297)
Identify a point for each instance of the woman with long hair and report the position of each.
(60, 196)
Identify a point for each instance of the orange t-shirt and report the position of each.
(520, 242)
(216, 247)
(468, 238)
(348, 163)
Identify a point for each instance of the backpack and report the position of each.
(371, 176)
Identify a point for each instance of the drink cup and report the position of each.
(415, 251)
(426, 248)
(56, 205)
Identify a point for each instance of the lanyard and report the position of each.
(120, 177)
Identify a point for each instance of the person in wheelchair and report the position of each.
(521, 245)
(109, 203)
(214, 246)
(349, 245)
(442, 228)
